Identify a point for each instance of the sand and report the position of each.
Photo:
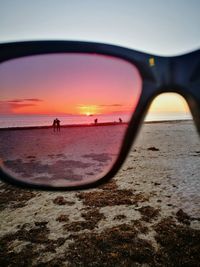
(147, 215)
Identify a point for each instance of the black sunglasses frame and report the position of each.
(178, 74)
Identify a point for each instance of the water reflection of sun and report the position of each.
(88, 110)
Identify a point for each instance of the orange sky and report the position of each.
(75, 84)
(68, 84)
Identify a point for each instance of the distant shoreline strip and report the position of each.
(88, 125)
(64, 126)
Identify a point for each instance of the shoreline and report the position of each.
(91, 125)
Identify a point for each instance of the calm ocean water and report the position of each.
(47, 120)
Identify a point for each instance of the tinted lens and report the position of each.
(63, 116)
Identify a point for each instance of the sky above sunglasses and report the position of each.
(160, 27)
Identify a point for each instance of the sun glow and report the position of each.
(169, 103)
(88, 110)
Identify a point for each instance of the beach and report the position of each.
(71, 156)
(147, 215)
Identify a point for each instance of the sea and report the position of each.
(9, 121)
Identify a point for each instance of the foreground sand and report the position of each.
(148, 215)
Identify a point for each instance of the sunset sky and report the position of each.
(68, 84)
(159, 27)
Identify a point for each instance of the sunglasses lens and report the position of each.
(63, 116)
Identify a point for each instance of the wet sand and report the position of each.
(147, 215)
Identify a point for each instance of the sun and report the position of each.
(88, 110)
(88, 114)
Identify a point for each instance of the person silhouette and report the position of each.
(54, 125)
(120, 120)
(58, 125)
(95, 121)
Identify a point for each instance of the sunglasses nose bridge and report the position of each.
(163, 73)
(180, 75)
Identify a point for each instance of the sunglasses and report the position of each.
(70, 111)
